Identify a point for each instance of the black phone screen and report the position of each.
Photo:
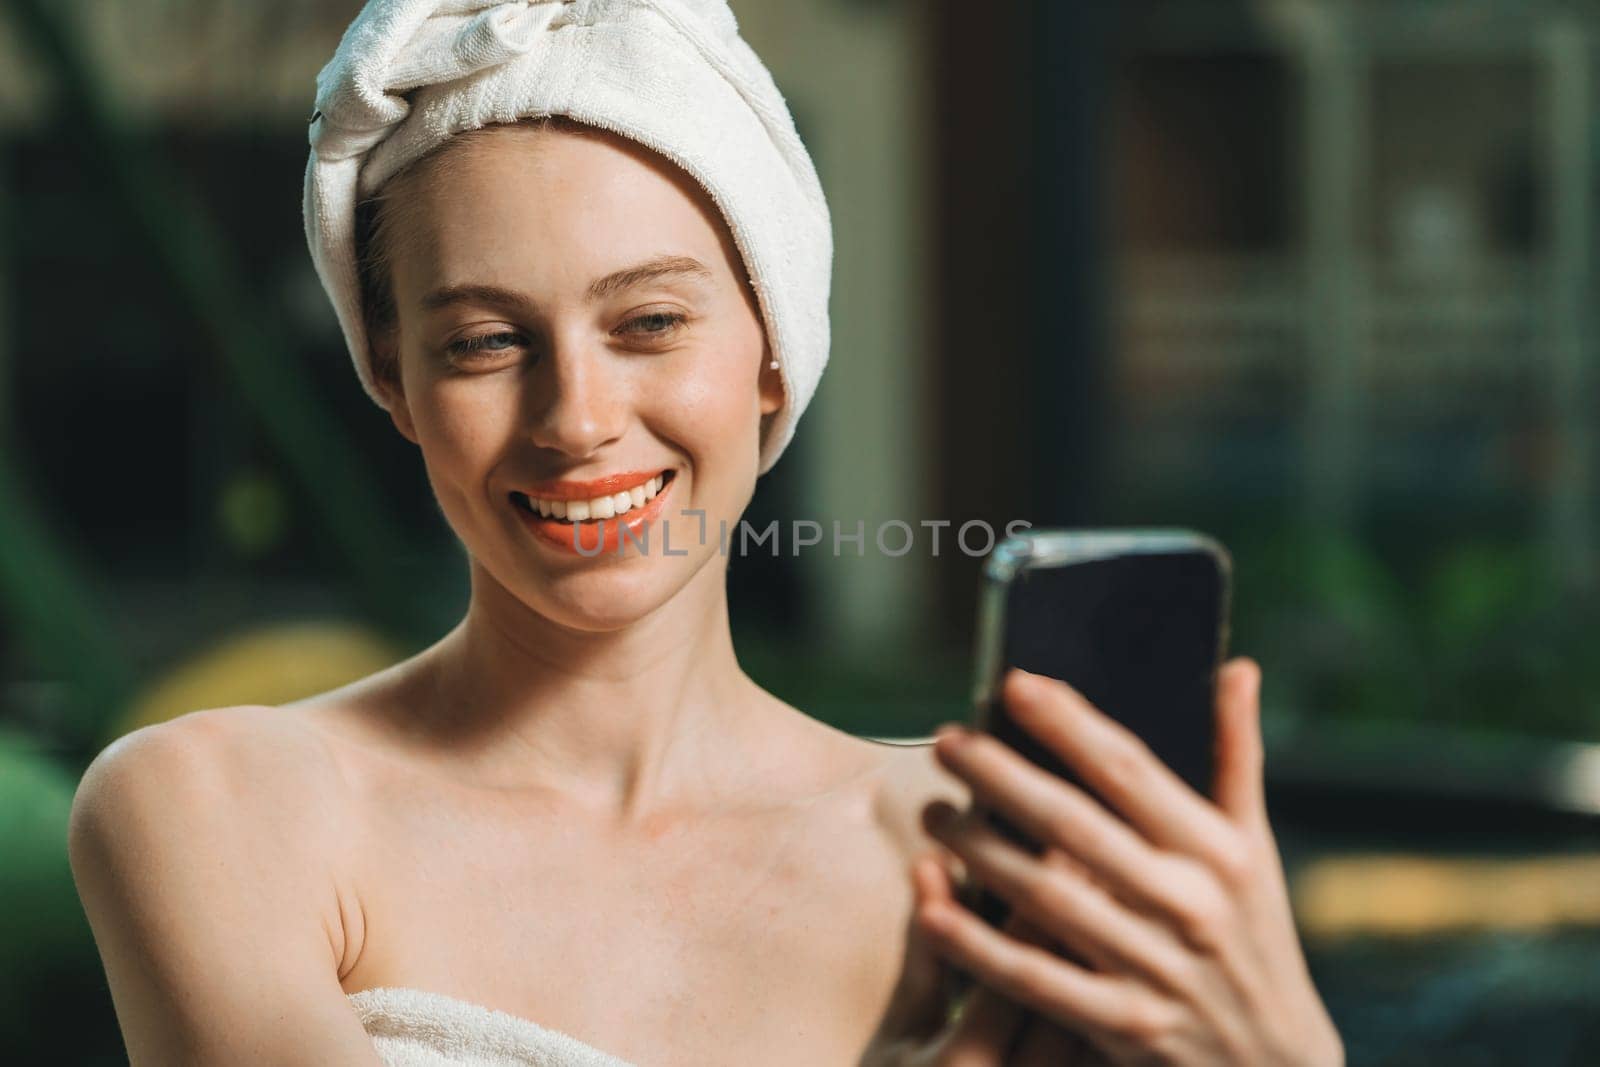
(1139, 635)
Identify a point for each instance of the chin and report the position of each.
(600, 598)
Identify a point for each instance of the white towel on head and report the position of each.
(673, 75)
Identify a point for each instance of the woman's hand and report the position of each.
(1178, 909)
(986, 1029)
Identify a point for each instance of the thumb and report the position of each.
(1237, 784)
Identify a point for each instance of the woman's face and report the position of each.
(574, 327)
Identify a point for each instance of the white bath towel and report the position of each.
(673, 75)
(413, 1028)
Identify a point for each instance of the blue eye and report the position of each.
(655, 323)
(485, 344)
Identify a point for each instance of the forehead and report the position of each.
(549, 204)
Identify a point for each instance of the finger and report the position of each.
(1035, 977)
(1063, 817)
(1237, 784)
(1117, 765)
(1045, 1042)
(1024, 929)
(917, 1005)
(985, 1024)
(1064, 906)
(935, 875)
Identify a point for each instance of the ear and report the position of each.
(771, 385)
(386, 377)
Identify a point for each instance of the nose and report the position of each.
(581, 404)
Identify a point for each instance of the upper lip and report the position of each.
(610, 485)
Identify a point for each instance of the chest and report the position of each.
(739, 939)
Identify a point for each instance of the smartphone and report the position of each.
(1135, 620)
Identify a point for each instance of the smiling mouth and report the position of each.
(594, 509)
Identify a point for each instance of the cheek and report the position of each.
(712, 402)
(464, 424)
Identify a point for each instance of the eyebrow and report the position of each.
(626, 278)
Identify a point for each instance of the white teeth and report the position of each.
(602, 507)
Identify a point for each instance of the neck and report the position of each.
(628, 720)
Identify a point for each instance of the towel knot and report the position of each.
(362, 92)
(390, 49)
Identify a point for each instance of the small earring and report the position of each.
(773, 364)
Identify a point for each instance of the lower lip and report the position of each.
(601, 536)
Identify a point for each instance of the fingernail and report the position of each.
(951, 734)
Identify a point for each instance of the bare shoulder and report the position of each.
(911, 778)
(218, 764)
(204, 852)
(243, 797)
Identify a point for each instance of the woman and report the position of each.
(573, 831)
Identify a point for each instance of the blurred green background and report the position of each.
(1315, 276)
